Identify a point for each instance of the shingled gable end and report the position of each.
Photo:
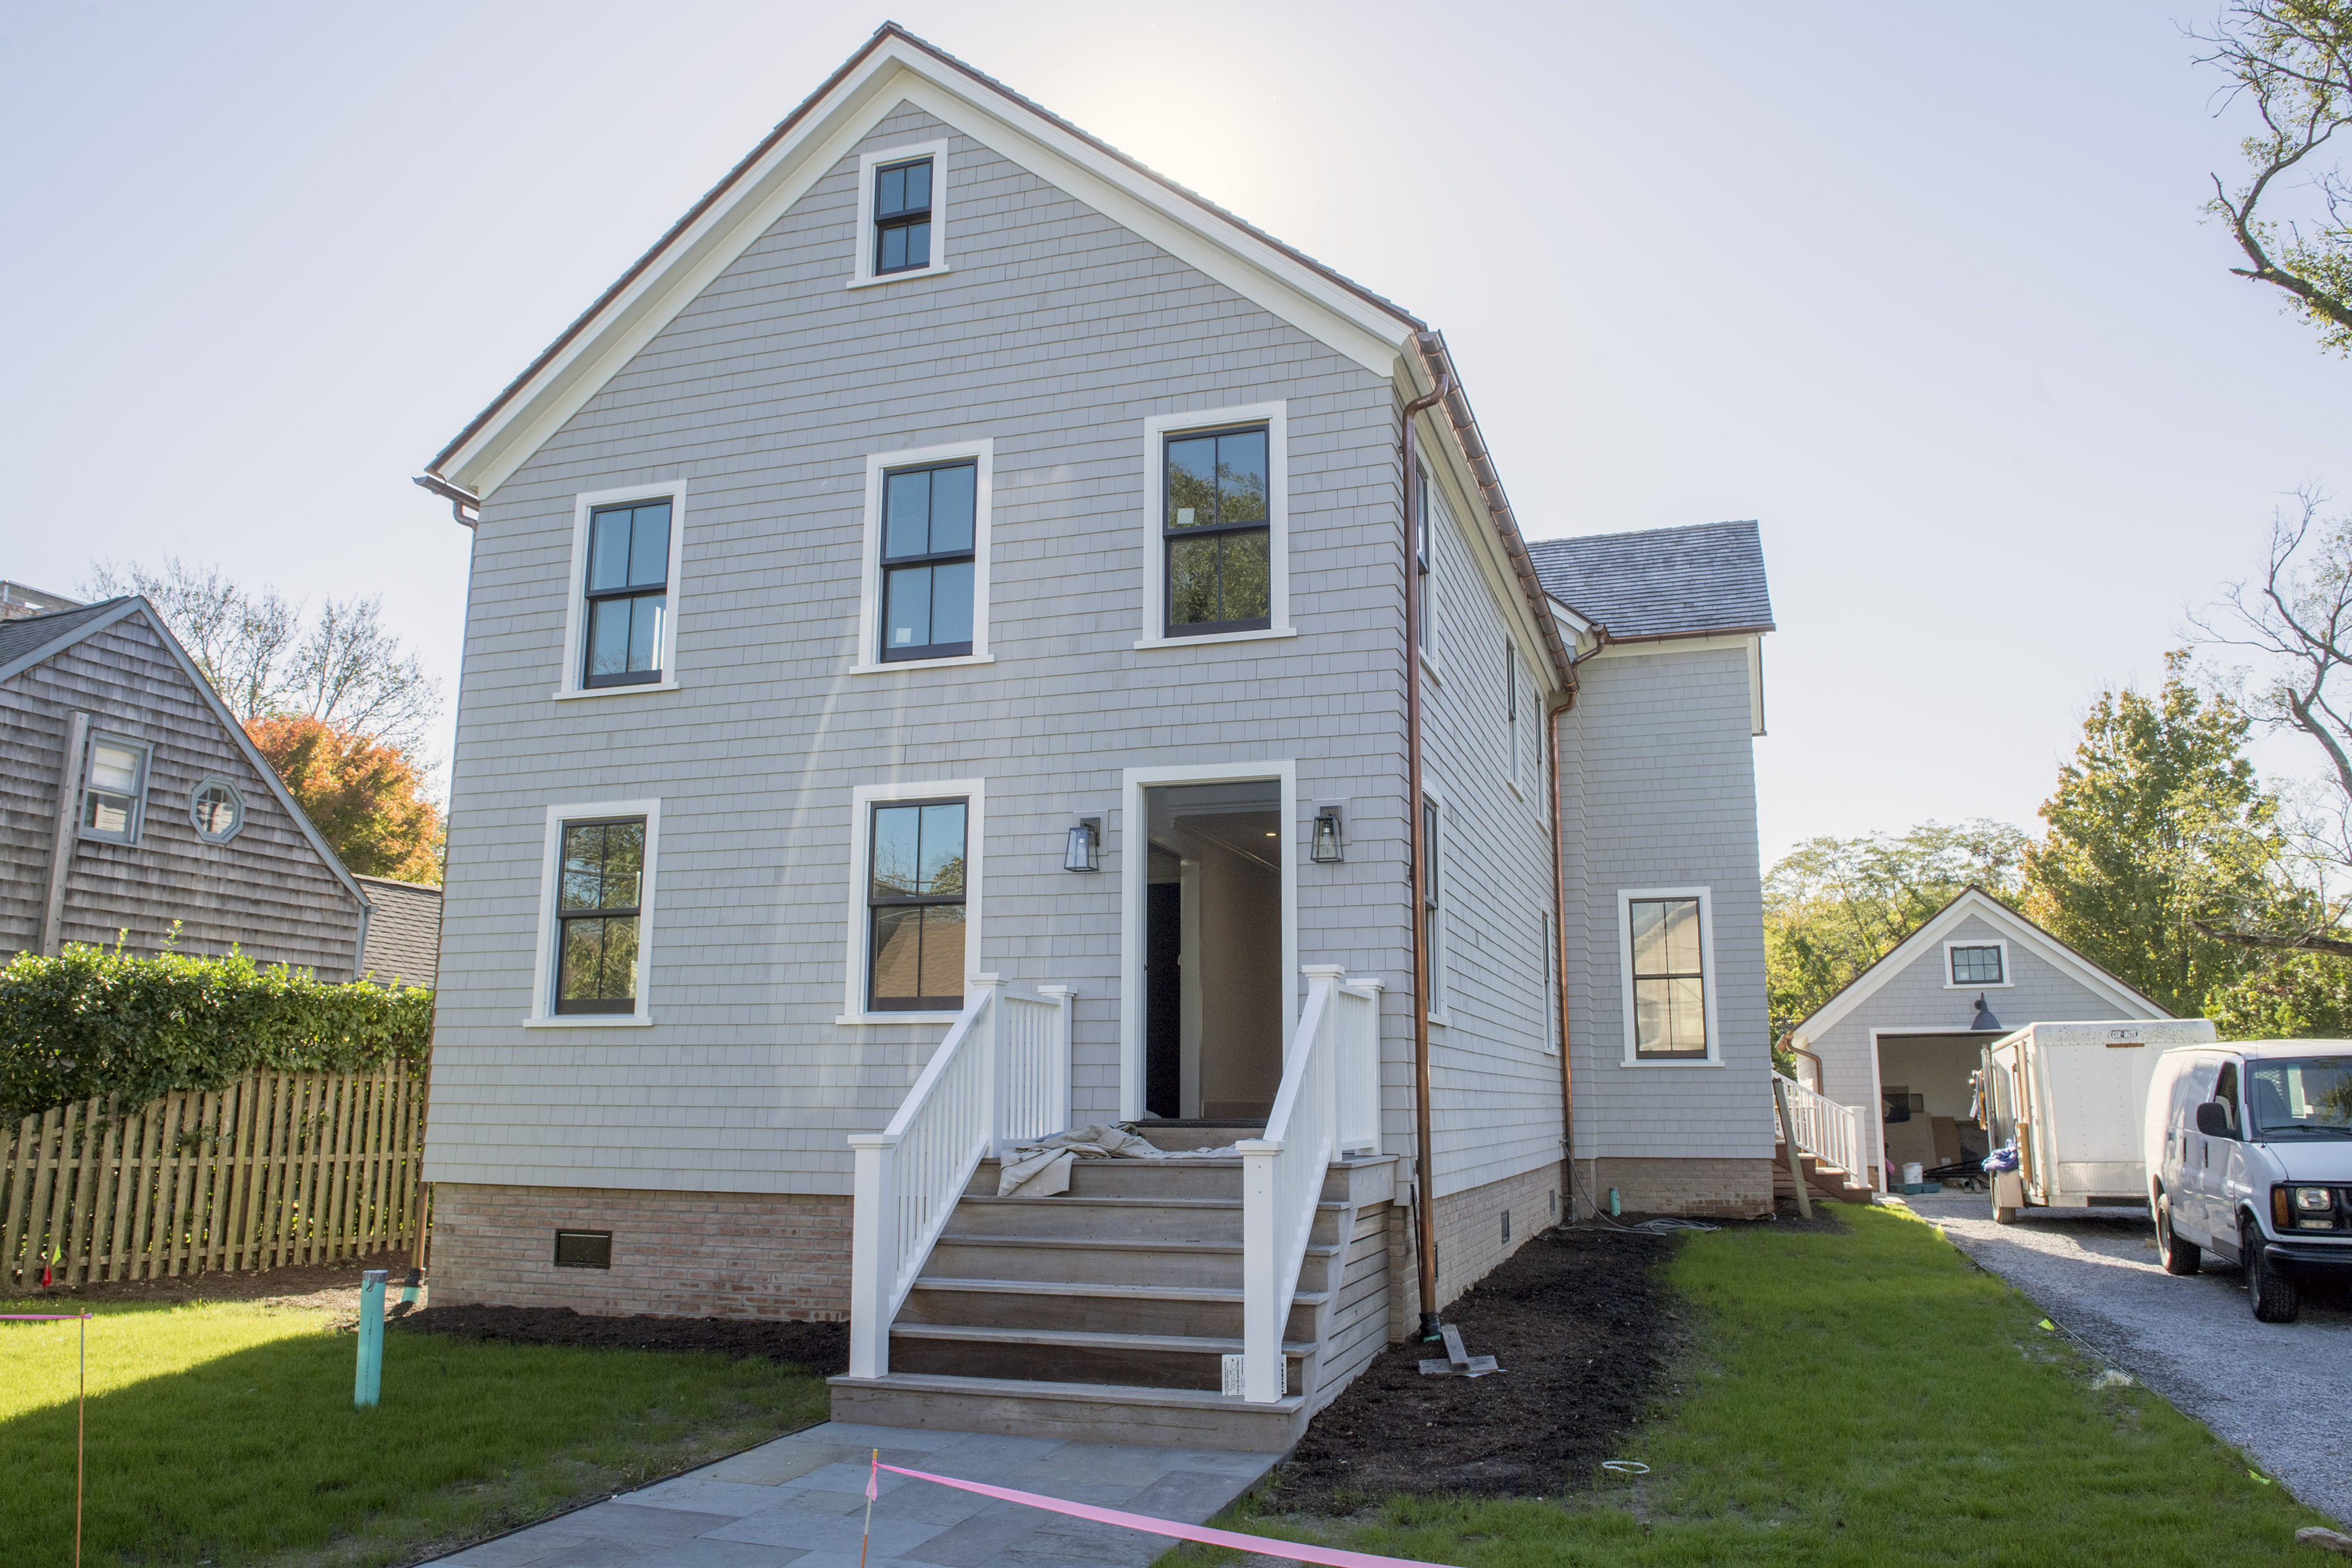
(1012, 626)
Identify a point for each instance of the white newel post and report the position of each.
(873, 1252)
(1360, 1073)
(996, 1063)
(1057, 1088)
(1262, 1364)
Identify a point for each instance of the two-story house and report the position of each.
(969, 640)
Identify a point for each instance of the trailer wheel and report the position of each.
(1999, 1216)
(2179, 1256)
(2272, 1295)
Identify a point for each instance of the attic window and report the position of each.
(1977, 966)
(902, 217)
(217, 811)
(114, 790)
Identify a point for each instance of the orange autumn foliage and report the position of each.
(366, 799)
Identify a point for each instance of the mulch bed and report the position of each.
(1583, 1329)
(822, 1348)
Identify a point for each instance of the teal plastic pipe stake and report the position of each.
(369, 1383)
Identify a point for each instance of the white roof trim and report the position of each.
(897, 70)
(1929, 937)
(137, 605)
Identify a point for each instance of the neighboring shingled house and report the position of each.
(404, 942)
(131, 804)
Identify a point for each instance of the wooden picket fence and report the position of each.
(278, 1169)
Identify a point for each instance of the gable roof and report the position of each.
(1974, 900)
(25, 641)
(92, 619)
(1700, 581)
(895, 66)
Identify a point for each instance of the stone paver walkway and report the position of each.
(801, 1500)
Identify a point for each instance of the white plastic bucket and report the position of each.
(1911, 1173)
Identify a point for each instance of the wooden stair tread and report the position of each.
(1122, 1244)
(1072, 1393)
(1089, 1339)
(1114, 1292)
(1079, 1200)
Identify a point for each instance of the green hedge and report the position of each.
(95, 1022)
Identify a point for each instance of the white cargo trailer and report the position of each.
(2073, 1099)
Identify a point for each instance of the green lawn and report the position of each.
(224, 1432)
(1870, 1398)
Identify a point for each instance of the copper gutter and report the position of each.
(1425, 1166)
(459, 499)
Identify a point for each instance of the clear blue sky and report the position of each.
(1924, 290)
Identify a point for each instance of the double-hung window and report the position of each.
(1216, 532)
(1432, 927)
(902, 217)
(1511, 725)
(600, 880)
(1421, 575)
(114, 790)
(928, 538)
(628, 589)
(915, 898)
(1668, 977)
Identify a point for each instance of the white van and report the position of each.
(2250, 1158)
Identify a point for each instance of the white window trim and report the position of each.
(543, 1015)
(937, 151)
(1134, 847)
(569, 686)
(869, 583)
(1515, 689)
(1550, 988)
(1708, 974)
(209, 780)
(146, 749)
(863, 798)
(1435, 511)
(1156, 431)
(2007, 976)
(1440, 975)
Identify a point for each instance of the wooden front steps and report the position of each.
(1104, 1313)
(1822, 1180)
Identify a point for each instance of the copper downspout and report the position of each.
(1425, 1189)
(1560, 926)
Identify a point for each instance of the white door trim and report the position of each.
(1134, 873)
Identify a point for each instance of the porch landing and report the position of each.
(801, 1500)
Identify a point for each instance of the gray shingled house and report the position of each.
(967, 640)
(131, 801)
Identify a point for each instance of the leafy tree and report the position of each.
(2290, 62)
(1833, 906)
(2293, 996)
(342, 665)
(366, 798)
(2157, 831)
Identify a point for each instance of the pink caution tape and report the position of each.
(1263, 1545)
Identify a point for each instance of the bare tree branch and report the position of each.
(2308, 943)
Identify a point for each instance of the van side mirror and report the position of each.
(2213, 1120)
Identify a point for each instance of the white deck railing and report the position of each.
(1001, 1075)
(1827, 1131)
(1330, 1101)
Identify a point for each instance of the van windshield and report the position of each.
(2301, 1097)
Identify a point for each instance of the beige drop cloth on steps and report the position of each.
(1042, 1169)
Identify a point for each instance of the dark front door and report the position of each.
(1164, 1006)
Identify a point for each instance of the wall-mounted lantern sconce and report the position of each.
(1084, 850)
(1327, 836)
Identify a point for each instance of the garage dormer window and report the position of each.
(1976, 963)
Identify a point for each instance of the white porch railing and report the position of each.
(1330, 1101)
(1001, 1075)
(1829, 1132)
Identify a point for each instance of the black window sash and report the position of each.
(934, 558)
(565, 918)
(903, 217)
(593, 597)
(1170, 536)
(877, 901)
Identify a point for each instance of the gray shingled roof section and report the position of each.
(404, 941)
(1663, 582)
(30, 634)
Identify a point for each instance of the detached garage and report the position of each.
(1907, 1033)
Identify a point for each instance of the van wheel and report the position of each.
(2179, 1256)
(2272, 1295)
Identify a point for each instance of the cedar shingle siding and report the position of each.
(266, 892)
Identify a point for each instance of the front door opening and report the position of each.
(1213, 951)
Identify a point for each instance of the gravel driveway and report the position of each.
(2281, 1392)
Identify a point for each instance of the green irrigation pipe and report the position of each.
(81, 1399)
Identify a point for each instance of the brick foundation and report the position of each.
(1723, 1189)
(1469, 1239)
(697, 1255)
